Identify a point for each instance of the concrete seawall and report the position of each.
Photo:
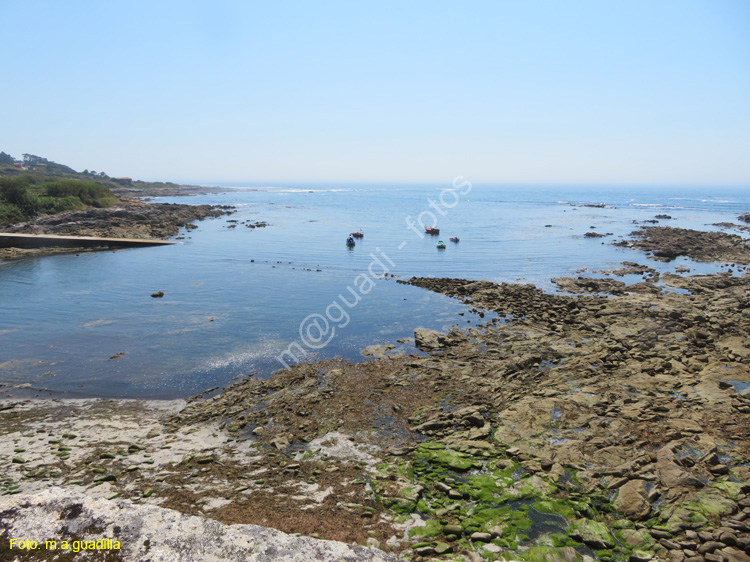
(13, 240)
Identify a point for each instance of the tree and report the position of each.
(6, 158)
(33, 160)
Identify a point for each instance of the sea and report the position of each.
(242, 301)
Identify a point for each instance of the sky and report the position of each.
(540, 91)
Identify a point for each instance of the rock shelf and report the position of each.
(567, 428)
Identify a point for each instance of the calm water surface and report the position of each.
(235, 297)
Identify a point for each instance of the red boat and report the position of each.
(431, 230)
(359, 234)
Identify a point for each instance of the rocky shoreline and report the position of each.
(568, 427)
(666, 243)
(616, 428)
(130, 219)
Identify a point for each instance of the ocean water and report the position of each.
(236, 299)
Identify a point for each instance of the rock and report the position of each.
(453, 530)
(150, 533)
(157, 294)
(726, 536)
(443, 548)
(669, 545)
(471, 416)
(735, 555)
(672, 475)
(280, 442)
(631, 500)
(426, 340)
(589, 285)
(377, 350)
(667, 243)
(372, 542)
(636, 539)
(641, 556)
(709, 546)
(711, 503)
(481, 537)
(592, 533)
(552, 554)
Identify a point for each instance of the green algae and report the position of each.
(495, 499)
(551, 554)
(633, 539)
(400, 505)
(591, 533)
(731, 489)
(484, 487)
(452, 460)
(501, 520)
(561, 539)
(430, 529)
(554, 507)
(711, 503)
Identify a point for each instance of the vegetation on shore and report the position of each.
(27, 195)
(36, 185)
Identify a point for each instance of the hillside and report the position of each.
(36, 185)
(10, 166)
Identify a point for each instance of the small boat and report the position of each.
(350, 242)
(431, 230)
(454, 239)
(441, 245)
(359, 234)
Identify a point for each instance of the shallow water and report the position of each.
(235, 298)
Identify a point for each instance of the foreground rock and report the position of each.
(152, 534)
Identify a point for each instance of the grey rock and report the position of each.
(725, 535)
(59, 514)
(710, 546)
(735, 555)
(671, 545)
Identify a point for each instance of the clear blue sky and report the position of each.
(586, 91)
